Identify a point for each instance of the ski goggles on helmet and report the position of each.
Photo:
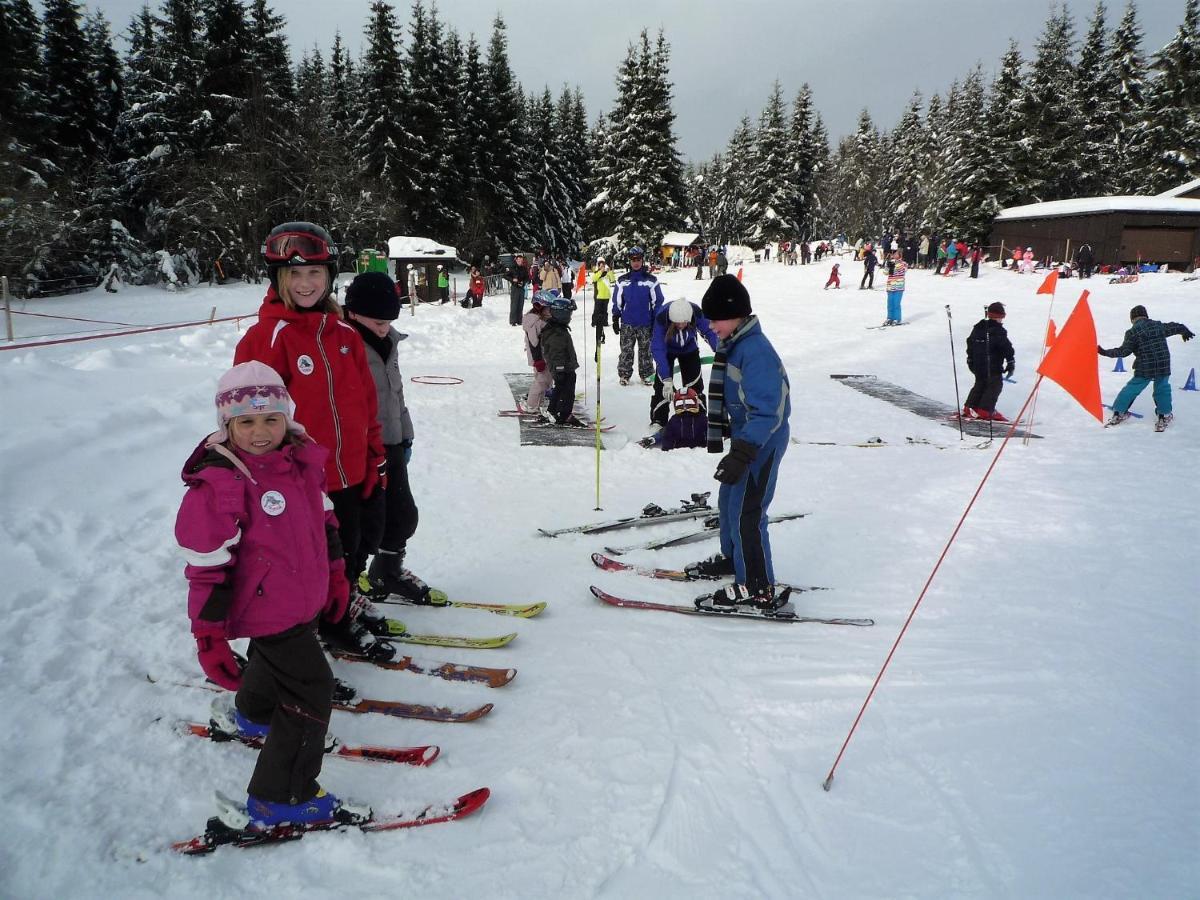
(297, 248)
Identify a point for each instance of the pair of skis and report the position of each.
(709, 530)
(652, 514)
(397, 631)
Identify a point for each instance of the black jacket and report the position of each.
(988, 348)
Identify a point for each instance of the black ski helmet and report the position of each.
(299, 244)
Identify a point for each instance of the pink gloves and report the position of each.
(216, 657)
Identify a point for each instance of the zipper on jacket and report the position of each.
(337, 425)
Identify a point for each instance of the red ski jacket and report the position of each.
(322, 361)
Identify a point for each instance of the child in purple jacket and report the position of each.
(264, 562)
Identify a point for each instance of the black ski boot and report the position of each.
(739, 598)
(350, 634)
(387, 576)
(716, 566)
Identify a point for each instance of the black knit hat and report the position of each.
(1138, 312)
(996, 310)
(726, 298)
(373, 294)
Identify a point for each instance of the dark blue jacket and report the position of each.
(684, 340)
(638, 295)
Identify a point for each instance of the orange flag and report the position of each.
(581, 278)
(1051, 332)
(739, 273)
(1072, 360)
(1049, 284)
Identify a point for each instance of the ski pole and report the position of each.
(954, 364)
(599, 343)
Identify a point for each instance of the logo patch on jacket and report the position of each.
(304, 364)
(344, 349)
(273, 503)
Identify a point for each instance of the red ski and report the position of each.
(785, 614)
(447, 670)
(615, 565)
(409, 756)
(218, 834)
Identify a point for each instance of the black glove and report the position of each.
(616, 324)
(1188, 334)
(1010, 368)
(1099, 349)
(735, 463)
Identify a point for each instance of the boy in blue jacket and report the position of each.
(749, 403)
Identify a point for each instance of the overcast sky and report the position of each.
(725, 55)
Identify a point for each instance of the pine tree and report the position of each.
(771, 200)
(71, 93)
(731, 219)
(1129, 74)
(474, 241)
(549, 192)
(382, 142)
(969, 208)
(1004, 177)
(906, 179)
(804, 169)
(24, 113)
(570, 135)
(106, 74)
(1094, 89)
(1170, 147)
(1051, 119)
(225, 78)
(423, 120)
(341, 90)
(504, 199)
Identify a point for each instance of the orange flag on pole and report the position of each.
(581, 278)
(1049, 284)
(1051, 333)
(739, 273)
(1072, 360)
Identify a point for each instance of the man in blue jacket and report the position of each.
(748, 402)
(638, 295)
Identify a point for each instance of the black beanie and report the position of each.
(726, 298)
(373, 294)
(996, 310)
(1138, 312)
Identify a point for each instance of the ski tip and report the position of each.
(431, 753)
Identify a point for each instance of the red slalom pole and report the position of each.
(828, 782)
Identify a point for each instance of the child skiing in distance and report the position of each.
(371, 306)
(834, 279)
(558, 352)
(748, 402)
(990, 357)
(264, 561)
(897, 269)
(1147, 340)
(532, 323)
(321, 358)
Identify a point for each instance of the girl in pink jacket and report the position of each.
(264, 562)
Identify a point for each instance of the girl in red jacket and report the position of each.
(320, 357)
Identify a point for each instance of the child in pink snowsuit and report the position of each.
(834, 279)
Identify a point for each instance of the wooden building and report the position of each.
(1121, 230)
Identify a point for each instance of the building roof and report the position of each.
(1091, 205)
(1183, 190)
(679, 239)
(404, 247)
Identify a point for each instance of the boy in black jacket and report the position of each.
(990, 357)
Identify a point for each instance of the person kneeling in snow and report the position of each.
(687, 428)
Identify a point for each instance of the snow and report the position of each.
(1088, 205)
(679, 239)
(1035, 735)
(404, 247)
(1182, 189)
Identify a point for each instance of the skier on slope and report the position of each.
(748, 402)
(321, 359)
(990, 357)
(1147, 340)
(264, 560)
(371, 307)
(675, 337)
(637, 298)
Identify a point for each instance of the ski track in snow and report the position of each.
(1035, 735)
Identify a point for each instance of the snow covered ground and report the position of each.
(1036, 734)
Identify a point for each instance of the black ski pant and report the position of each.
(690, 376)
(985, 392)
(563, 401)
(516, 303)
(397, 518)
(287, 683)
(868, 280)
(356, 516)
